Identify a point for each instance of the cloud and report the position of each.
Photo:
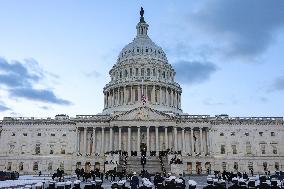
(3, 108)
(38, 95)
(94, 74)
(247, 26)
(210, 102)
(20, 78)
(194, 72)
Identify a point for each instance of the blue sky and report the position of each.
(55, 55)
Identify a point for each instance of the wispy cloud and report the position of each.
(248, 27)
(194, 72)
(277, 85)
(20, 78)
(3, 108)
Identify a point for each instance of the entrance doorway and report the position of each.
(143, 149)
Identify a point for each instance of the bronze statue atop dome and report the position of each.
(142, 15)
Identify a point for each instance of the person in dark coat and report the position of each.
(134, 182)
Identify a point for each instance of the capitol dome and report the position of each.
(142, 76)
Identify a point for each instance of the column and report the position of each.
(110, 139)
(124, 95)
(157, 139)
(183, 140)
(192, 142)
(103, 141)
(148, 140)
(131, 95)
(153, 95)
(129, 141)
(138, 139)
(161, 94)
(167, 96)
(118, 96)
(172, 98)
(94, 140)
(201, 141)
(77, 141)
(207, 144)
(175, 137)
(85, 142)
(166, 138)
(139, 93)
(112, 97)
(119, 138)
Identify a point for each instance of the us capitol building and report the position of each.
(142, 115)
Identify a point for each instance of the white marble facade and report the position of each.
(142, 105)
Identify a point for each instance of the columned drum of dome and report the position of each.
(142, 76)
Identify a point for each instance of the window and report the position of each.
(63, 134)
(272, 134)
(164, 75)
(223, 149)
(11, 148)
(224, 166)
(25, 134)
(63, 149)
(247, 134)
(248, 148)
(250, 165)
(148, 71)
(260, 133)
(142, 71)
(234, 149)
(49, 166)
(136, 71)
(35, 166)
(125, 73)
(154, 72)
(52, 134)
(51, 149)
(13, 134)
(130, 72)
(236, 166)
(274, 149)
(233, 134)
(276, 166)
(265, 166)
(9, 167)
(37, 149)
(262, 148)
(21, 166)
(221, 134)
(39, 134)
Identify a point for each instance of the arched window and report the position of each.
(148, 71)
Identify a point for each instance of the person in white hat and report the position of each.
(134, 182)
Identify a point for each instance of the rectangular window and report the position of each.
(35, 166)
(265, 166)
(9, 167)
(136, 71)
(274, 149)
(49, 167)
(236, 166)
(13, 134)
(154, 72)
(276, 165)
(25, 134)
(248, 148)
(21, 166)
(262, 148)
(260, 133)
(52, 134)
(39, 134)
(11, 148)
(130, 72)
(223, 149)
(234, 149)
(63, 149)
(272, 134)
(142, 71)
(37, 149)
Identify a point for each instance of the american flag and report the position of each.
(143, 99)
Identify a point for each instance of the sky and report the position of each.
(55, 56)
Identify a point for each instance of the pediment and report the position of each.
(143, 113)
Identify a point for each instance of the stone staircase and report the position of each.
(152, 165)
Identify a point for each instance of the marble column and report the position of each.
(153, 95)
(77, 140)
(207, 141)
(119, 138)
(94, 140)
(201, 141)
(139, 93)
(157, 139)
(161, 95)
(129, 141)
(175, 137)
(192, 141)
(125, 97)
(110, 139)
(183, 140)
(167, 97)
(113, 103)
(103, 141)
(172, 97)
(148, 140)
(138, 140)
(131, 95)
(166, 138)
(85, 141)
(118, 96)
